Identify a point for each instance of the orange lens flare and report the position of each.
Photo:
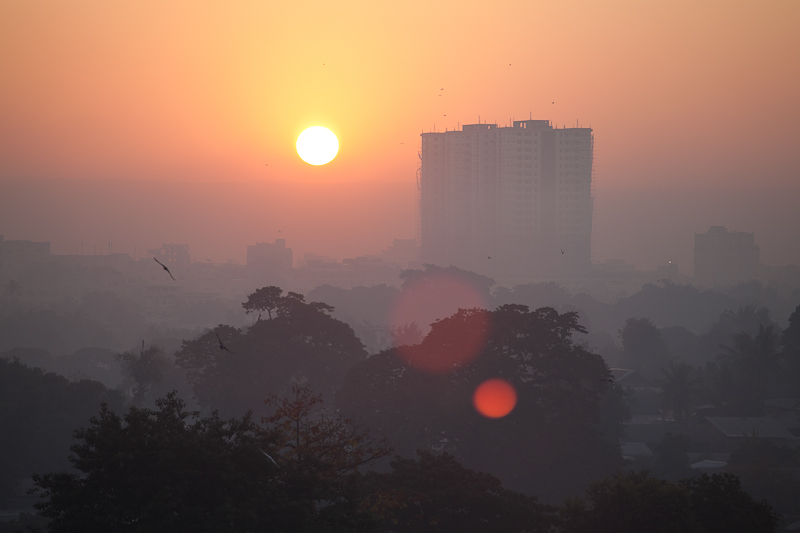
(454, 339)
(494, 398)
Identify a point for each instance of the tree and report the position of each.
(754, 367)
(434, 493)
(408, 334)
(264, 299)
(643, 347)
(633, 502)
(319, 454)
(170, 470)
(552, 440)
(145, 369)
(301, 343)
(39, 411)
(430, 272)
(790, 352)
(679, 386)
(721, 506)
(162, 470)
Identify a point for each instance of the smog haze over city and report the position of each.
(555, 242)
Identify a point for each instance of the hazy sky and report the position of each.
(685, 96)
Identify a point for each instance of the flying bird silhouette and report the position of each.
(222, 346)
(165, 268)
(562, 252)
(488, 256)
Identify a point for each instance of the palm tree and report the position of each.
(679, 385)
(757, 359)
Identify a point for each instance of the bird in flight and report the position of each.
(488, 256)
(562, 252)
(222, 346)
(165, 268)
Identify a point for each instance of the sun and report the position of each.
(317, 145)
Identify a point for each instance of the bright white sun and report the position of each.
(317, 145)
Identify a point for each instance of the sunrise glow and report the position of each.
(317, 145)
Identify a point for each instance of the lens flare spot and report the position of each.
(455, 337)
(494, 398)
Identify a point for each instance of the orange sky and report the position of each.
(680, 93)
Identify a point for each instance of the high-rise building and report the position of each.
(725, 257)
(514, 202)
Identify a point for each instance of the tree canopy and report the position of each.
(552, 441)
(233, 369)
(38, 413)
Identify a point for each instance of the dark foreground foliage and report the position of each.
(169, 470)
(38, 413)
(633, 503)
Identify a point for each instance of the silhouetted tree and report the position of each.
(633, 502)
(643, 347)
(752, 367)
(408, 334)
(145, 369)
(263, 299)
(745, 319)
(162, 470)
(302, 344)
(721, 506)
(39, 411)
(482, 284)
(552, 440)
(434, 493)
(679, 384)
(790, 353)
(167, 469)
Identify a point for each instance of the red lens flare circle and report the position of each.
(494, 398)
(455, 337)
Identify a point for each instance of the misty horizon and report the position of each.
(646, 227)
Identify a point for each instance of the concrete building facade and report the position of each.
(513, 202)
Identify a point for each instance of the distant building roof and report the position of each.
(636, 449)
(745, 426)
